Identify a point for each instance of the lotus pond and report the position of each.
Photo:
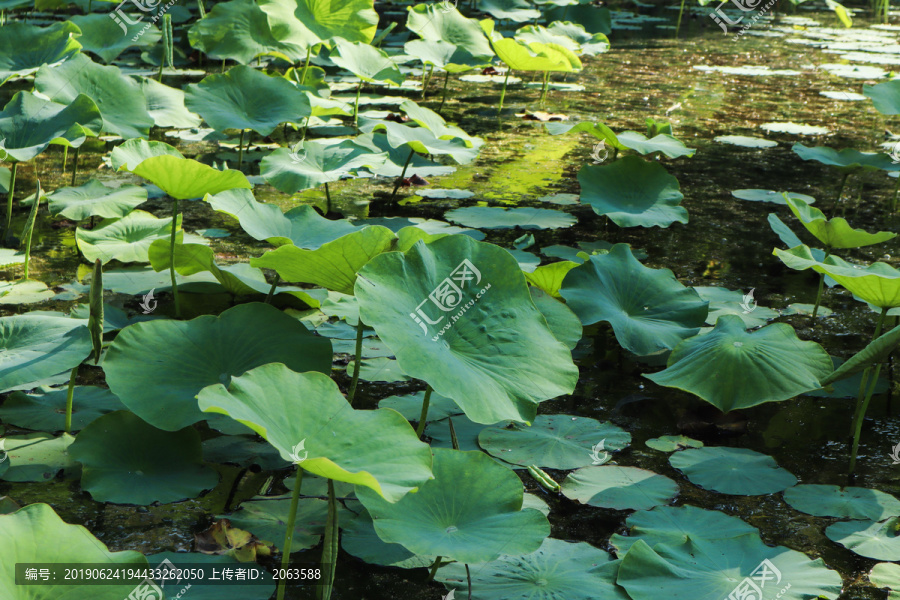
(495, 299)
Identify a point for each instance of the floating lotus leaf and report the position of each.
(745, 141)
(846, 159)
(243, 450)
(119, 98)
(633, 192)
(732, 368)
(594, 19)
(137, 281)
(127, 239)
(885, 96)
(127, 461)
(794, 128)
(771, 196)
(470, 512)
(166, 105)
(514, 10)
(38, 457)
(410, 406)
(435, 23)
(341, 443)
(29, 123)
(557, 570)
(554, 442)
(732, 302)
(24, 291)
(267, 518)
(466, 433)
(495, 217)
(156, 373)
(36, 347)
(872, 539)
(95, 199)
(836, 232)
(886, 575)
(668, 145)
(129, 155)
(846, 503)
(671, 443)
(366, 62)
(418, 164)
(735, 471)
(30, 528)
(25, 48)
(648, 309)
(619, 488)
(360, 539)
(485, 345)
(310, 164)
(244, 98)
(302, 24)
(183, 178)
(103, 36)
(383, 370)
(47, 411)
(598, 130)
(678, 525)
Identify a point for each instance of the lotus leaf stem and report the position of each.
(453, 441)
(29, 226)
(426, 79)
(424, 416)
(306, 66)
(444, 97)
(327, 199)
(544, 87)
(330, 547)
(241, 150)
(861, 414)
(821, 287)
(678, 24)
(355, 107)
(503, 91)
(434, 568)
(9, 196)
(469, 580)
(356, 366)
(402, 174)
(896, 192)
(289, 534)
(841, 190)
(75, 164)
(65, 158)
(271, 292)
(70, 395)
(172, 256)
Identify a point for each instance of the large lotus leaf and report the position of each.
(732, 368)
(334, 265)
(591, 43)
(471, 512)
(558, 570)
(514, 10)
(318, 163)
(127, 239)
(103, 36)
(844, 503)
(127, 461)
(301, 226)
(36, 534)
(302, 24)
(648, 309)
(665, 143)
(95, 199)
(183, 178)
(885, 96)
(29, 123)
(341, 443)
(129, 155)
(360, 539)
(436, 23)
(267, 518)
(678, 525)
(847, 159)
(244, 98)
(598, 130)
(619, 488)
(25, 48)
(238, 30)
(633, 193)
(35, 347)
(418, 164)
(47, 411)
(38, 457)
(157, 367)
(366, 62)
(166, 105)
(535, 56)
(196, 258)
(836, 232)
(119, 98)
(496, 217)
(736, 471)
(872, 539)
(713, 570)
(554, 441)
(480, 340)
(443, 55)
(886, 575)
(539, 33)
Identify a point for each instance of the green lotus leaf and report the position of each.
(886, 575)
(549, 278)
(467, 433)
(29, 123)
(103, 36)
(554, 442)
(677, 525)
(267, 518)
(598, 130)
(410, 406)
(591, 43)
(129, 155)
(514, 10)
(24, 291)
(310, 164)
(648, 309)
(47, 411)
(157, 367)
(183, 178)
(732, 368)
(770, 196)
(366, 62)
(137, 281)
(619, 488)
(477, 339)
(671, 443)
(243, 450)
(166, 105)
(418, 165)
(594, 19)
(495, 217)
(342, 443)
(444, 55)
(36, 347)
(664, 143)
(127, 239)
(118, 468)
(845, 503)
(885, 96)
(95, 199)
(360, 539)
(539, 33)
(633, 192)
(735, 471)
(732, 302)
(302, 24)
(244, 98)
(30, 528)
(878, 350)
(196, 258)
(435, 23)
(557, 570)
(470, 512)
(872, 539)
(836, 232)
(382, 370)
(119, 98)
(712, 570)
(25, 48)
(334, 265)
(38, 457)
(536, 56)
(847, 159)
(238, 30)
(564, 324)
